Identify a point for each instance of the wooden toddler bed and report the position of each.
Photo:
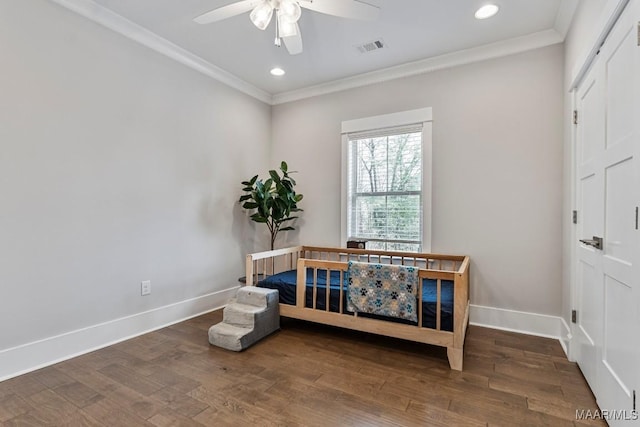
(311, 282)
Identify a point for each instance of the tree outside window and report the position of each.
(385, 189)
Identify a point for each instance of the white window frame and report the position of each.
(404, 118)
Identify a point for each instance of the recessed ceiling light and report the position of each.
(277, 72)
(486, 11)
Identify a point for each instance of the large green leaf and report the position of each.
(277, 212)
(274, 175)
(258, 218)
(288, 185)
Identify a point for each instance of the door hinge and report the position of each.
(575, 117)
(638, 33)
(634, 400)
(574, 316)
(636, 217)
(574, 217)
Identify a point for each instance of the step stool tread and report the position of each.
(227, 329)
(244, 308)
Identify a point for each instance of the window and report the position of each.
(386, 199)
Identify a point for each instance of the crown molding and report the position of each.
(463, 57)
(111, 20)
(565, 16)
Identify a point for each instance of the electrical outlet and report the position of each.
(145, 287)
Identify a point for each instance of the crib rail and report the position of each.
(272, 262)
(267, 263)
(420, 260)
(431, 266)
(302, 287)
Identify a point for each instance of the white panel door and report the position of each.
(590, 203)
(608, 182)
(621, 69)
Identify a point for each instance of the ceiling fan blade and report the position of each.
(353, 9)
(227, 11)
(294, 43)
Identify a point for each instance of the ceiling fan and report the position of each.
(287, 14)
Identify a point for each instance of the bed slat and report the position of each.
(301, 284)
(341, 291)
(438, 303)
(419, 301)
(327, 290)
(315, 288)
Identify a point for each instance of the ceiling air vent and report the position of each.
(371, 46)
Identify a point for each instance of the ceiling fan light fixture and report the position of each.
(289, 11)
(261, 15)
(285, 27)
(486, 11)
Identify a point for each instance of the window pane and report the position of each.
(405, 160)
(378, 246)
(406, 247)
(388, 217)
(403, 218)
(371, 165)
(389, 164)
(371, 217)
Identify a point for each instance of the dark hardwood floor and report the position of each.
(305, 374)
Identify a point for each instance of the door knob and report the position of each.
(596, 242)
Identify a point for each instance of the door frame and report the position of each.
(611, 12)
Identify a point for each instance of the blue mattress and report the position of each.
(285, 283)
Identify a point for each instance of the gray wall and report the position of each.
(117, 165)
(497, 179)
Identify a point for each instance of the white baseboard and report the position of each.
(565, 338)
(38, 354)
(541, 325)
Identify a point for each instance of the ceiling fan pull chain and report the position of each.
(278, 41)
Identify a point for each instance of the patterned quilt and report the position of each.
(386, 290)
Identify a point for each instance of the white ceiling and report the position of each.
(414, 30)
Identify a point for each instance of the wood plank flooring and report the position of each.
(303, 375)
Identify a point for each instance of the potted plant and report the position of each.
(273, 200)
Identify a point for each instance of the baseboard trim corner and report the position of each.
(541, 325)
(565, 338)
(29, 357)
